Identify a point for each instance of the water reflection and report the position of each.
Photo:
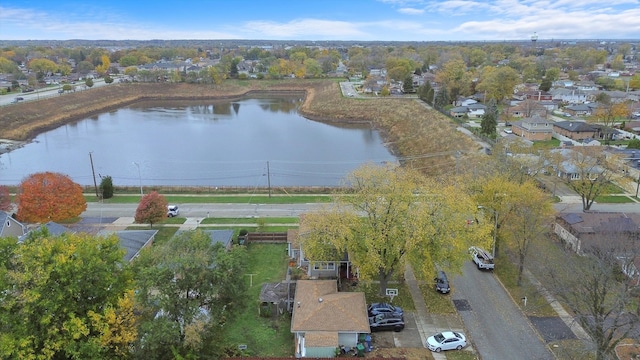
(201, 143)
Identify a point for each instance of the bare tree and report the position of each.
(596, 291)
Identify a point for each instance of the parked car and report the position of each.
(19, 98)
(386, 322)
(442, 283)
(172, 210)
(446, 340)
(481, 258)
(384, 308)
(27, 90)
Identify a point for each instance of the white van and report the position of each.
(172, 210)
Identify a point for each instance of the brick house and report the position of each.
(534, 128)
(576, 130)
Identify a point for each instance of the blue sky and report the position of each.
(361, 20)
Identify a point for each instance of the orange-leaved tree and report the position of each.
(5, 198)
(152, 208)
(49, 196)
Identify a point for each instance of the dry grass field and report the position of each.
(426, 139)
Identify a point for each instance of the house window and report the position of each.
(324, 266)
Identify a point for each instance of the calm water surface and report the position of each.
(247, 142)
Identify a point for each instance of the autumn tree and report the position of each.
(42, 66)
(5, 198)
(394, 214)
(188, 288)
(105, 64)
(454, 77)
(152, 209)
(49, 196)
(65, 297)
(527, 221)
(587, 170)
(498, 83)
(608, 114)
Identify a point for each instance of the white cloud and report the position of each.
(303, 29)
(411, 11)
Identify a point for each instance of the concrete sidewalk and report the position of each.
(430, 324)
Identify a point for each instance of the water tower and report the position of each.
(534, 38)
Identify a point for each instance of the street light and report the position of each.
(495, 228)
(139, 176)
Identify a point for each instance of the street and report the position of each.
(495, 325)
(99, 210)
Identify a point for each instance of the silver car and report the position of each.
(446, 340)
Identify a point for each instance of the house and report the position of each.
(575, 130)
(567, 169)
(224, 237)
(316, 268)
(578, 110)
(132, 240)
(472, 110)
(571, 96)
(527, 108)
(323, 318)
(538, 95)
(10, 226)
(534, 128)
(604, 230)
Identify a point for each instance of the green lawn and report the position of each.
(611, 199)
(266, 337)
(253, 220)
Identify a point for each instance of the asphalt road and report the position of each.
(498, 329)
(100, 210)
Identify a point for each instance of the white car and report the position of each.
(172, 210)
(446, 340)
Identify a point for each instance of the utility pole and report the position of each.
(268, 179)
(94, 175)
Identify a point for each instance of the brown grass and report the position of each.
(411, 130)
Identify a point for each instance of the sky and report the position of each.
(349, 20)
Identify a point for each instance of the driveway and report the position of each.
(497, 328)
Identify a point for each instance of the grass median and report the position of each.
(221, 199)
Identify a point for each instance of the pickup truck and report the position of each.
(481, 258)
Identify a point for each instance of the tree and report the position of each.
(65, 297)
(490, 119)
(188, 288)
(394, 214)
(597, 293)
(498, 83)
(454, 77)
(587, 171)
(42, 66)
(89, 82)
(633, 144)
(527, 221)
(103, 68)
(5, 198)
(106, 187)
(608, 114)
(108, 79)
(152, 209)
(49, 196)
(407, 85)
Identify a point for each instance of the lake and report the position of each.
(252, 142)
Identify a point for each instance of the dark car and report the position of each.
(386, 322)
(27, 90)
(442, 283)
(384, 308)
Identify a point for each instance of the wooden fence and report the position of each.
(267, 237)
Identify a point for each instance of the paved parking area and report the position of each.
(407, 338)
